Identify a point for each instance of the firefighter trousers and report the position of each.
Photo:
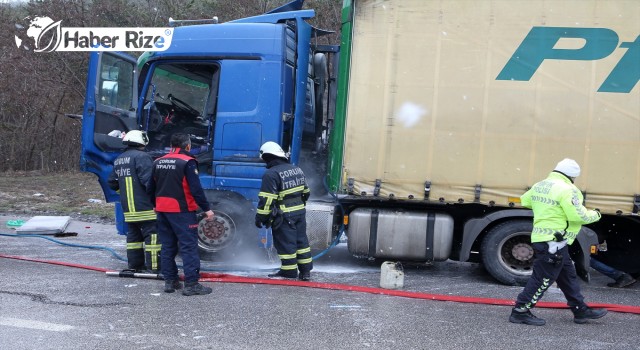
(292, 244)
(143, 246)
(549, 268)
(179, 232)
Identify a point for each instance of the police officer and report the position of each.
(131, 176)
(176, 189)
(558, 215)
(281, 206)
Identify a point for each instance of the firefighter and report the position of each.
(281, 206)
(177, 192)
(130, 176)
(558, 215)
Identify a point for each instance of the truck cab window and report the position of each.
(180, 98)
(115, 106)
(116, 82)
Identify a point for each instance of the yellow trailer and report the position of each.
(448, 111)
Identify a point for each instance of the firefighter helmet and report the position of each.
(135, 138)
(271, 147)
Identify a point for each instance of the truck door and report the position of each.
(109, 111)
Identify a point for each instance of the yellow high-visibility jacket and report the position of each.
(557, 207)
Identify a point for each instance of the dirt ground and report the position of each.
(75, 194)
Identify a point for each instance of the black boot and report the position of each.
(195, 288)
(583, 314)
(623, 281)
(304, 276)
(284, 274)
(524, 315)
(171, 286)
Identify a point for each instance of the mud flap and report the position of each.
(582, 270)
(581, 252)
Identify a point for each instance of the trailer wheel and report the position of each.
(507, 253)
(230, 227)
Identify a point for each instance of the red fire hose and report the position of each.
(226, 278)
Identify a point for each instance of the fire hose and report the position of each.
(227, 278)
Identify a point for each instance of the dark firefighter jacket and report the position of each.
(175, 185)
(284, 189)
(131, 176)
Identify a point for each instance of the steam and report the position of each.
(314, 167)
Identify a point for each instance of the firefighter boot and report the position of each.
(195, 288)
(304, 276)
(524, 315)
(171, 286)
(284, 274)
(584, 313)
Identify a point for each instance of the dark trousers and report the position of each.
(143, 247)
(291, 243)
(605, 269)
(179, 232)
(545, 272)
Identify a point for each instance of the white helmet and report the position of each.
(272, 148)
(135, 137)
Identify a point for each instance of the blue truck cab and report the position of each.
(231, 87)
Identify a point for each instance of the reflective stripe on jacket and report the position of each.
(131, 176)
(557, 207)
(283, 187)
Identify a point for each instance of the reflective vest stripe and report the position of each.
(304, 250)
(131, 205)
(266, 210)
(288, 210)
(267, 195)
(153, 248)
(134, 245)
(290, 191)
(286, 256)
(146, 215)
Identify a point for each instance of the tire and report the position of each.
(231, 227)
(507, 253)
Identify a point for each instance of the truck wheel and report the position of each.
(507, 253)
(231, 225)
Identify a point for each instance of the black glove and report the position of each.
(258, 223)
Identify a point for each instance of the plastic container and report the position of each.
(391, 275)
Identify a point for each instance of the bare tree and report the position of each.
(39, 88)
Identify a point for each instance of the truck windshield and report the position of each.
(177, 100)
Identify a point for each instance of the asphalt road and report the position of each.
(44, 306)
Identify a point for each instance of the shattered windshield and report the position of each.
(183, 82)
(176, 100)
